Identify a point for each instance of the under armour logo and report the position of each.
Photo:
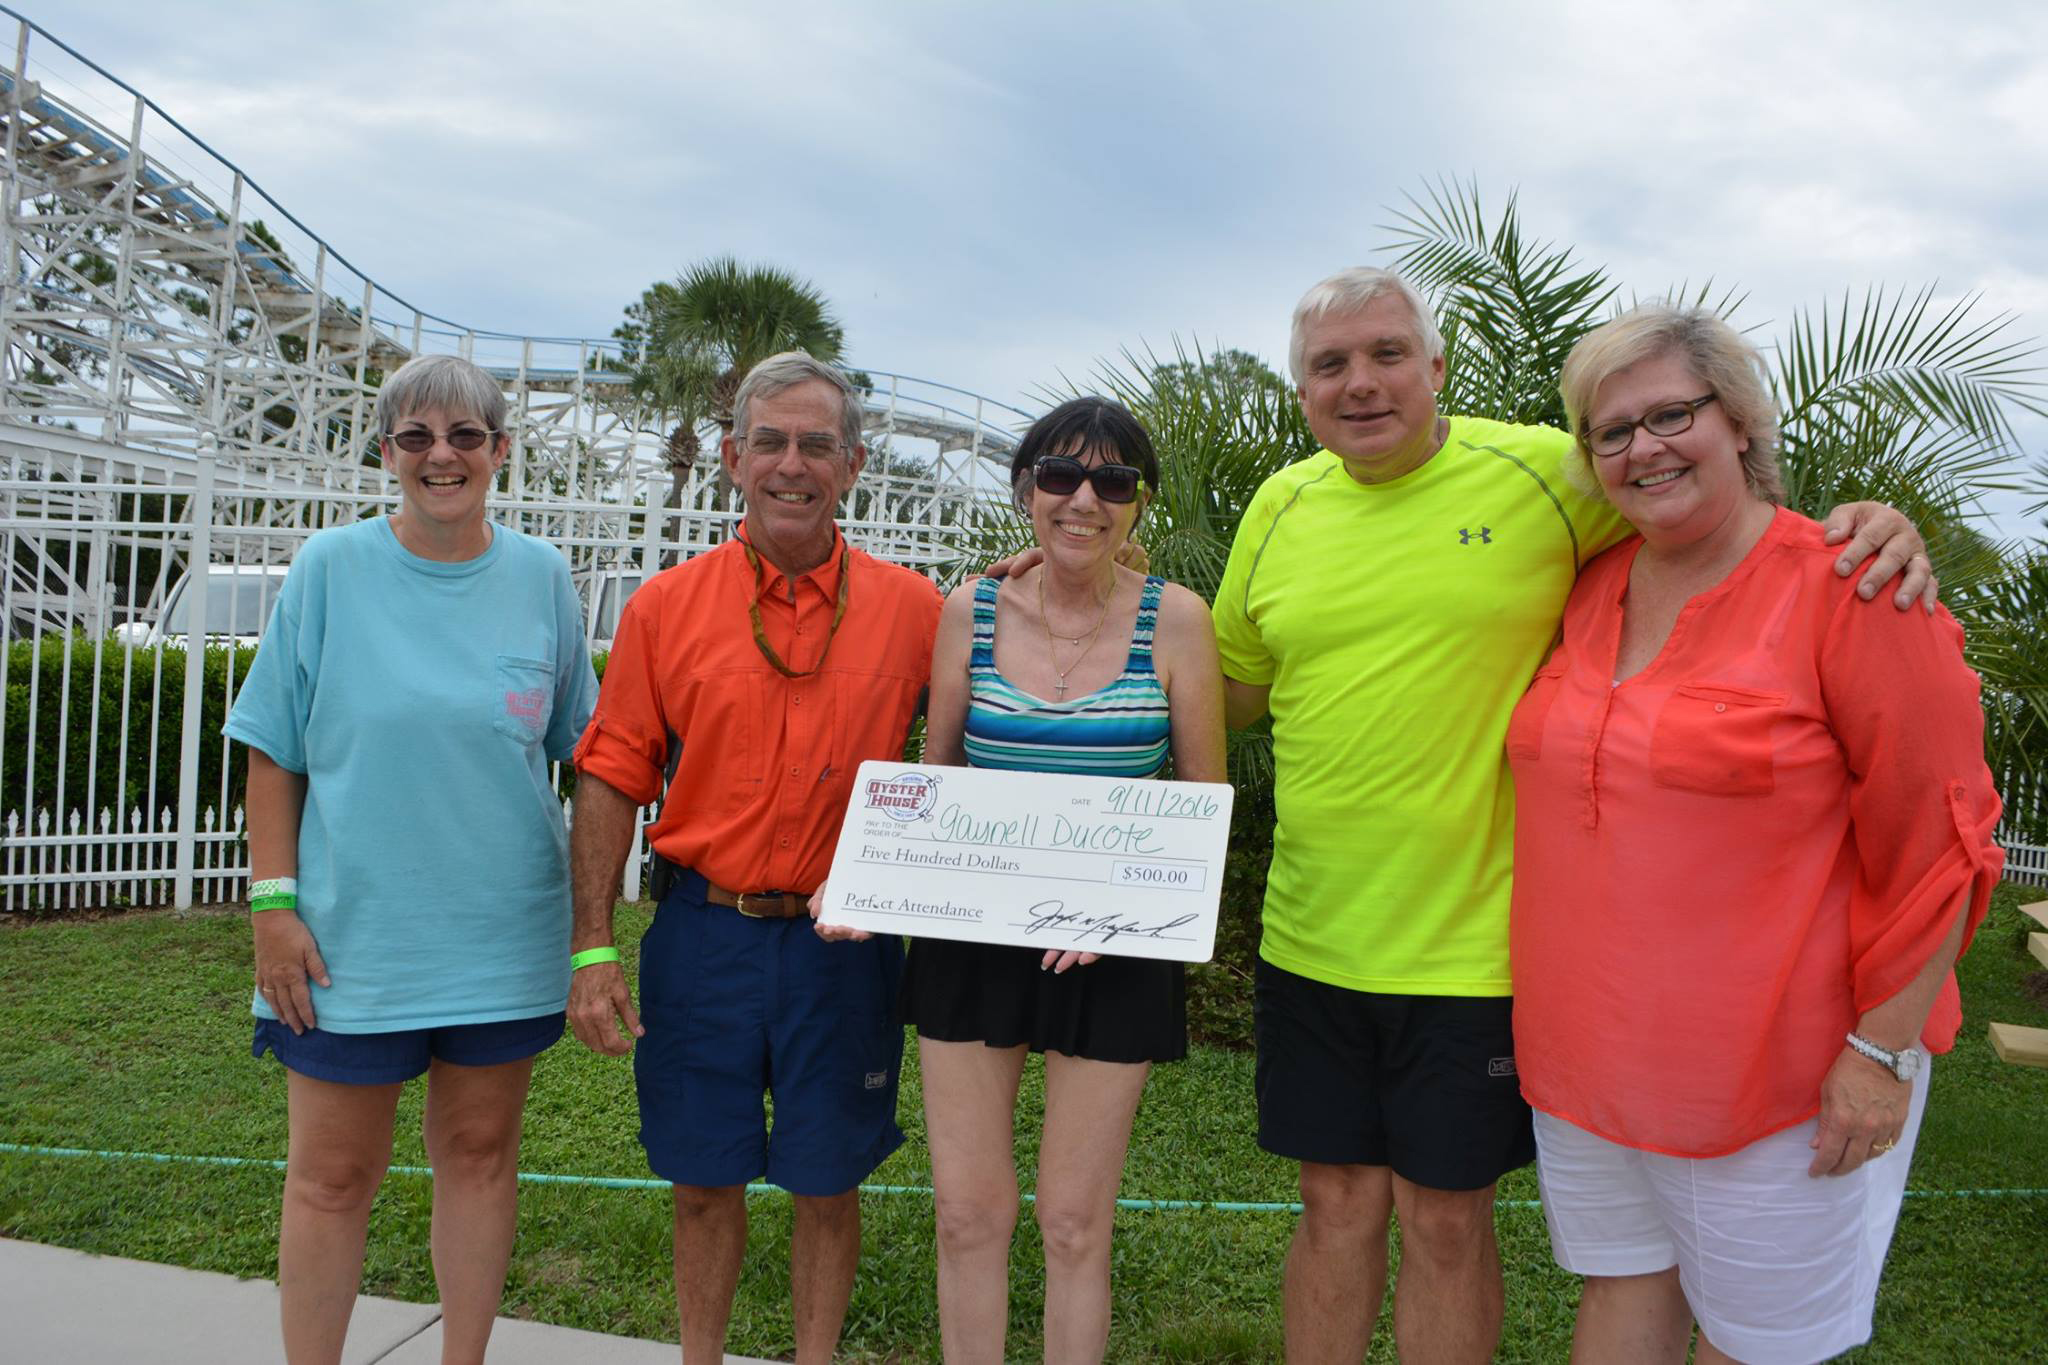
(1485, 534)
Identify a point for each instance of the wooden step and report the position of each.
(2039, 911)
(2020, 1045)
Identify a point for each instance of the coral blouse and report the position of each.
(1723, 861)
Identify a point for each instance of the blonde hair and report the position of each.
(1726, 363)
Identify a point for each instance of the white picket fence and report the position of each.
(2025, 863)
(60, 865)
(53, 864)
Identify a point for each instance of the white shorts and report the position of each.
(1778, 1266)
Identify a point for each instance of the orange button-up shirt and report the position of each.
(1724, 860)
(764, 764)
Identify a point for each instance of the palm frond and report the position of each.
(1510, 308)
(1954, 364)
(1928, 469)
(2007, 643)
(747, 313)
(1444, 242)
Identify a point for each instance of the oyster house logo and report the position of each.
(906, 797)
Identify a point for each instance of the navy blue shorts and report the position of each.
(736, 1008)
(385, 1058)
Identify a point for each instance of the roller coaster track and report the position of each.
(157, 304)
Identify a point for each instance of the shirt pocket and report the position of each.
(1532, 712)
(1716, 739)
(725, 738)
(869, 715)
(525, 698)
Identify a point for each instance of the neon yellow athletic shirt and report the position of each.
(1397, 625)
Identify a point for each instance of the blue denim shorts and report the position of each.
(737, 1008)
(384, 1058)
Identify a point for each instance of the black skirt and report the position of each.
(1117, 1009)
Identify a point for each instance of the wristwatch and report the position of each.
(1904, 1064)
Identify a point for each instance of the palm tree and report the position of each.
(1510, 308)
(689, 344)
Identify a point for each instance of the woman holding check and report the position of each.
(410, 890)
(1077, 665)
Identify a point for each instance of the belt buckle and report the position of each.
(739, 903)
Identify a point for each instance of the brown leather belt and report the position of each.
(760, 904)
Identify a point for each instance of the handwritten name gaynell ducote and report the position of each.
(957, 825)
(1084, 927)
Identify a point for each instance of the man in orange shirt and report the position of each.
(758, 676)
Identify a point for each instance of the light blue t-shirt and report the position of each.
(422, 701)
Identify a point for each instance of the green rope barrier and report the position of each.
(620, 1182)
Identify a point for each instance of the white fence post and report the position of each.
(201, 508)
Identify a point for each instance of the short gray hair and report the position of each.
(1349, 291)
(444, 382)
(1714, 351)
(786, 371)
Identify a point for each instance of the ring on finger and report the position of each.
(1880, 1148)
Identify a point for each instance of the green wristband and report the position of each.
(276, 900)
(590, 957)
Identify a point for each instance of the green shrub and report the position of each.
(1220, 990)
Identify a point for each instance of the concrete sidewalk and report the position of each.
(63, 1307)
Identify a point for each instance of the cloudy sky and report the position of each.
(994, 195)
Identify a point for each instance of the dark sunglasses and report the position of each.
(1060, 475)
(414, 441)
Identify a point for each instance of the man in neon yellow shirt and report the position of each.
(1387, 600)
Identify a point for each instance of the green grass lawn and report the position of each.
(132, 1035)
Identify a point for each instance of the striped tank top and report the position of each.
(1117, 731)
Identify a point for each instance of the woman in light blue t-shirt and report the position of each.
(410, 892)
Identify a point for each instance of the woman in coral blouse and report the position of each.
(1753, 835)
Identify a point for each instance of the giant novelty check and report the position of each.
(1107, 865)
